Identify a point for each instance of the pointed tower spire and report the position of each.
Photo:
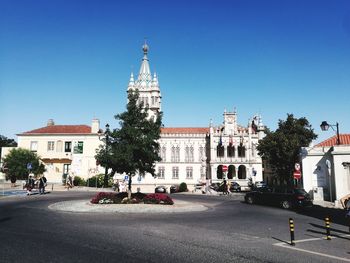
(131, 82)
(144, 78)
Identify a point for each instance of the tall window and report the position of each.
(68, 147)
(230, 151)
(50, 146)
(163, 153)
(220, 151)
(241, 151)
(78, 147)
(177, 154)
(34, 146)
(175, 172)
(59, 146)
(173, 154)
(161, 172)
(201, 153)
(189, 152)
(189, 172)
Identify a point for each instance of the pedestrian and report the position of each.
(69, 181)
(30, 184)
(224, 187)
(346, 204)
(42, 184)
(228, 187)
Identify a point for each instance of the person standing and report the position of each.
(42, 184)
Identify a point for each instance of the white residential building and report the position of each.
(326, 169)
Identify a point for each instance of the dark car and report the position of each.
(284, 197)
(160, 189)
(174, 188)
(218, 187)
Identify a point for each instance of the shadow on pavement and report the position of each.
(336, 216)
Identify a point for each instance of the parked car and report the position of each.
(174, 188)
(260, 184)
(160, 189)
(235, 187)
(284, 197)
(218, 187)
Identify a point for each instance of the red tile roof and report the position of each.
(61, 129)
(185, 130)
(344, 140)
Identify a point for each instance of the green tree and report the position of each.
(281, 148)
(6, 142)
(15, 164)
(132, 148)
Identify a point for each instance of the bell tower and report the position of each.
(148, 86)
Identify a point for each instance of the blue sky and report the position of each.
(71, 60)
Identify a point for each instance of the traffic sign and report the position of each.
(297, 175)
(224, 168)
(29, 166)
(297, 166)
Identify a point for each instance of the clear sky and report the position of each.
(70, 60)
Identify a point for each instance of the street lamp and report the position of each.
(106, 133)
(325, 126)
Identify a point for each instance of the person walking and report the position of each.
(30, 184)
(42, 184)
(224, 187)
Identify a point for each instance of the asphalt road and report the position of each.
(229, 231)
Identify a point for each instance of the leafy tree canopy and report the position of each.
(6, 142)
(132, 148)
(15, 164)
(281, 148)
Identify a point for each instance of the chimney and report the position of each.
(95, 125)
(50, 122)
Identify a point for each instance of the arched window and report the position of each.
(241, 151)
(187, 154)
(242, 172)
(220, 151)
(177, 154)
(173, 154)
(231, 172)
(163, 153)
(201, 153)
(230, 151)
(191, 154)
(219, 172)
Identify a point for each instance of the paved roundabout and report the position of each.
(84, 206)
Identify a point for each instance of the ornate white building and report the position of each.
(194, 154)
(189, 154)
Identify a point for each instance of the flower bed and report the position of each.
(136, 198)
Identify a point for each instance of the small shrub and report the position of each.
(105, 195)
(183, 187)
(158, 199)
(117, 198)
(78, 181)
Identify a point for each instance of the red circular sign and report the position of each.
(224, 168)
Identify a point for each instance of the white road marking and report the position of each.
(284, 245)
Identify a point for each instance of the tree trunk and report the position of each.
(129, 186)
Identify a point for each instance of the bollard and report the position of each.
(52, 188)
(291, 228)
(328, 231)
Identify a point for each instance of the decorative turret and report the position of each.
(131, 85)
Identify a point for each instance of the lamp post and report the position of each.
(107, 131)
(325, 126)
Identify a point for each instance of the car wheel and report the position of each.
(250, 200)
(286, 204)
